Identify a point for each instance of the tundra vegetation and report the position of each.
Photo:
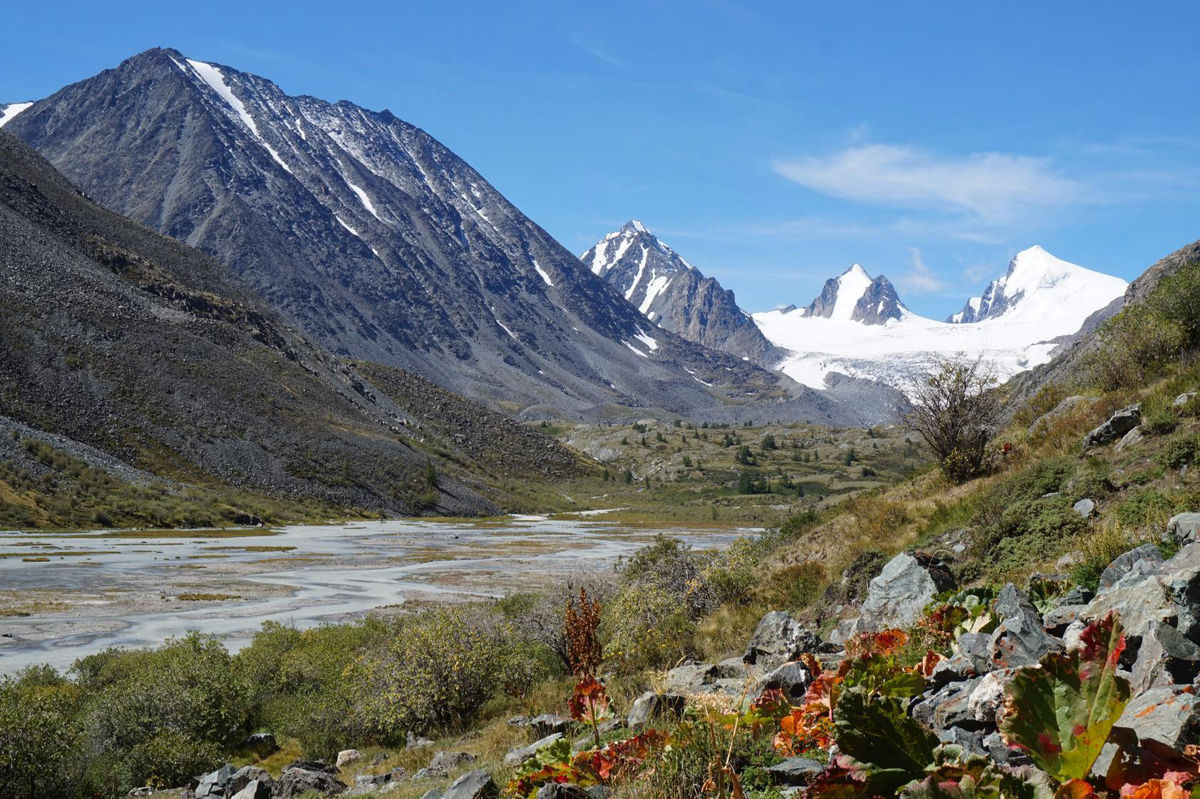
(470, 678)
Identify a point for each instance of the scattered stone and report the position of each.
(651, 706)
(969, 740)
(1079, 595)
(987, 700)
(247, 775)
(1019, 638)
(1168, 717)
(1184, 528)
(1085, 508)
(1131, 438)
(1183, 399)
(794, 771)
(213, 784)
(548, 723)
(778, 639)
(444, 762)
(297, 782)
(515, 721)
(1127, 562)
(1058, 619)
(1117, 425)
(520, 756)
(1165, 657)
(690, 678)
(472, 785)
(256, 789)
(956, 668)
(974, 647)
(792, 679)
(898, 596)
(348, 756)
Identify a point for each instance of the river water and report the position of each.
(63, 596)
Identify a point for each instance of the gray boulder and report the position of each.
(1184, 528)
(214, 784)
(1142, 559)
(1085, 508)
(417, 742)
(1134, 436)
(522, 755)
(777, 639)
(1058, 619)
(1183, 399)
(1164, 657)
(898, 596)
(794, 771)
(247, 775)
(297, 782)
(1116, 426)
(472, 785)
(443, 762)
(548, 723)
(792, 679)
(649, 707)
(1019, 638)
(1180, 580)
(255, 789)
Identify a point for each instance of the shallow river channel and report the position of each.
(65, 595)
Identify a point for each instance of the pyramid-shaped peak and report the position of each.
(634, 226)
(856, 270)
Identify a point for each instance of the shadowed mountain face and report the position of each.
(133, 344)
(378, 242)
(675, 295)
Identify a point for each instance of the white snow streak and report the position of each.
(636, 351)
(545, 275)
(216, 81)
(362, 197)
(343, 224)
(649, 341)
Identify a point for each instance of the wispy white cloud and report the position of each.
(919, 278)
(598, 53)
(988, 188)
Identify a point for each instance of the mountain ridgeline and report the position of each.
(137, 347)
(675, 295)
(382, 245)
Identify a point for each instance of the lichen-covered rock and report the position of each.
(297, 782)
(794, 771)
(792, 679)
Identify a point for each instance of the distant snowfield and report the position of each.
(9, 112)
(1048, 298)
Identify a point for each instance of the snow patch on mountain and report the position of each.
(216, 80)
(9, 112)
(1047, 298)
(363, 198)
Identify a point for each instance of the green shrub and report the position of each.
(1134, 346)
(434, 674)
(1180, 451)
(41, 736)
(645, 627)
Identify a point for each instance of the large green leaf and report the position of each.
(891, 747)
(1062, 712)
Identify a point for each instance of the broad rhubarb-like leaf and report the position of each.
(1063, 711)
(875, 730)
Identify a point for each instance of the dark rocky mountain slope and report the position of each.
(378, 242)
(141, 348)
(675, 295)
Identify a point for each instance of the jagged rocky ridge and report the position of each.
(140, 348)
(378, 242)
(675, 295)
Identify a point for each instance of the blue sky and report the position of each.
(771, 144)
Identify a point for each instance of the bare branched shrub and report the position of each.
(956, 414)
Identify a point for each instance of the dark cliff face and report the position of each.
(878, 303)
(675, 295)
(372, 237)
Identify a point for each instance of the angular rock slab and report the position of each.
(1019, 638)
(898, 596)
(1116, 426)
(1184, 528)
(476, 784)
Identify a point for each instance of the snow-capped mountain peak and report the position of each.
(1037, 286)
(1015, 325)
(856, 296)
(9, 111)
(674, 295)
